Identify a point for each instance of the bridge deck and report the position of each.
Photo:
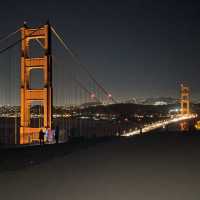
(152, 167)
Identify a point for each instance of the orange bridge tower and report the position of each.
(29, 95)
(185, 100)
(185, 106)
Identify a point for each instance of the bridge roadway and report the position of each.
(160, 124)
(148, 167)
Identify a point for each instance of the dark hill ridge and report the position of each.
(129, 108)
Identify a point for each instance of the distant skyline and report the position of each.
(136, 48)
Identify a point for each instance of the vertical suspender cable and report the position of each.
(80, 64)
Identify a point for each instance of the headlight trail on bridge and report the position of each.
(160, 124)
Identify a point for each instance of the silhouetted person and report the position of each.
(141, 130)
(41, 137)
(57, 134)
(167, 128)
(190, 129)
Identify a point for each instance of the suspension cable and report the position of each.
(87, 90)
(76, 59)
(6, 37)
(18, 41)
(92, 95)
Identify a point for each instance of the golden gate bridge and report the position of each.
(33, 56)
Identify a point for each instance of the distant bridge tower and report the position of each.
(185, 106)
(43, 95)
(185, 100)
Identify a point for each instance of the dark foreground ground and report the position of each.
(152, 167)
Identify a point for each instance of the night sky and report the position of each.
(137, 48)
